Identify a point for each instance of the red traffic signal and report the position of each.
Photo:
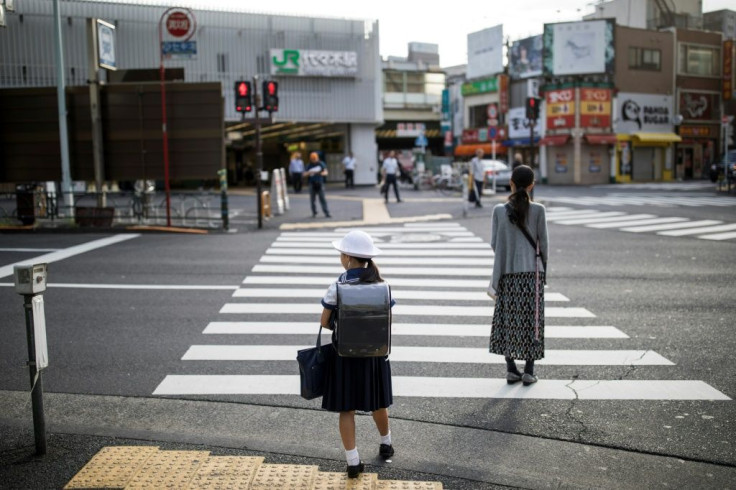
(243, 96)
(271, 96)
(532, 108)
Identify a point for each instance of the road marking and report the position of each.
(383, 231)
(386, 253)
(636, 222)
(375, 211)
(397, 281)
(399, 309)
(384, 246)
(395, 293)
(719, 236)
(671, 226)
(410, 329)
(585, 221)
(29, 250)
(445, 355)
(378, 232)
(432, 225)
(415, 386)
(385, 271)
(296, 259)
(698, 231)
(7, 270)
(592, 214)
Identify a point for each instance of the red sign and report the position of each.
(595, 107)
(470, 136)
(727, 69)
(699, 106)
(178, 24)
(503, 93)
(560, 109)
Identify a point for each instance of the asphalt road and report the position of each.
(670, 295)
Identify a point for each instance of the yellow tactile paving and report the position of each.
(284, 476)
(408, 485)
(226, 472)
(112, 467)
(168, 469)
(339, 481)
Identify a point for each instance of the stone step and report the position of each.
(147, 467)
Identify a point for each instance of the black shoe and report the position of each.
(354, 471)
(314, 215)
(328, 215)
(478, 205)
(386, 451)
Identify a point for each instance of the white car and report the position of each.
(500, 170)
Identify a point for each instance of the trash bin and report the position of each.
(25, 203)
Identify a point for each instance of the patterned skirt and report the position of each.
(512, 331)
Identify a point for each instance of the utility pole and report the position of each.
(66, 179)
(259, 152)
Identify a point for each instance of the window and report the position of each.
(697, 60)
(478, 116)
(221, 62)
(645, 59)
(393, 81)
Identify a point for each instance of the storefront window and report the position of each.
(699, 60)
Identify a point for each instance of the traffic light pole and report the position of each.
(259, 153)
(531, 146)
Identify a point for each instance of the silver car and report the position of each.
(498, 169)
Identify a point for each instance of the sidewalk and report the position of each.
(459, 457)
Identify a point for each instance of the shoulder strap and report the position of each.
(532, 242)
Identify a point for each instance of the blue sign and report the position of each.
(421, 141)
(179, 50)
(105, 45)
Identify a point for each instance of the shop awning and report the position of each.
(601, 139)
(519, 142)
(469, 150)
(556, 140)
(656, 138)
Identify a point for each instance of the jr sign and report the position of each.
(308, 63)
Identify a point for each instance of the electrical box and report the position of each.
(30, 279)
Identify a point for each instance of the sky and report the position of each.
(402, 22)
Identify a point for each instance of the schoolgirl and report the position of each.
(354, 383)
(517, 330)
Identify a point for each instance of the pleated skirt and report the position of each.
(512, 330)
(357, 383)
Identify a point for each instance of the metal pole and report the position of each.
(259, 152)
(164, 128)
(66, 179)
(39, 422)
(94, 106)
(532, 122)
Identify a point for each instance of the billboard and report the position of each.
(311, 63)
(525, 58)
(519, 125)
(574, 48)
(643, 112)
(700, 106)
(485, 52)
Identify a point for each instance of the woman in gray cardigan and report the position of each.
(517, 330)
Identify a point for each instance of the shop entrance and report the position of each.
(643, 165)
(689, 161)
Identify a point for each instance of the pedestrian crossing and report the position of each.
(441, 304)
(669, 226)
(665, 200)
(661, 186)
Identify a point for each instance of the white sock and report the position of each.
(352, 456)
(386, 439)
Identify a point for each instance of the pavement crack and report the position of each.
(633, 367)
(570, 415)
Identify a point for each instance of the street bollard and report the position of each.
(30, 282)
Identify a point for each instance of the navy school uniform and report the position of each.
(355, 383)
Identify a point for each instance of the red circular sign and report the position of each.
(178, 24)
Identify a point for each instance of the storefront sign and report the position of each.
(699, 106)
(503, 94)
(560, 109)
(482, 135)
(695, 131)
(409, 130)
(644, 112)
(595, 107)
(519, 124)
(728, 70)
(480, 86)
(310, 63)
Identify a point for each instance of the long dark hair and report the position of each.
(370, 272)
(522, 177)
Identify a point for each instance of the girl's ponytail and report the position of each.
(371, 272)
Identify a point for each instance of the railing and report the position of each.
(200, 209)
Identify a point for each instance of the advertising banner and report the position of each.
(519, 124)
(574, 48)
(595, 108)
(644, 112)
(560, 108)
(728, 70)
(485, 52)
(311, 63)
(525, 58)
(699, 106)
(480, 86)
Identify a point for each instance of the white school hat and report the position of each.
(357, 244)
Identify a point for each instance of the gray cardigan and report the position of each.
(513, 252)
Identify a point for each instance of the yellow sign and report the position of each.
(594, 108)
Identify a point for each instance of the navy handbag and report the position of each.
(313, 368)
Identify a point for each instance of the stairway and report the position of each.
(133, 467)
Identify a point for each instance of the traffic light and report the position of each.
(271, 96)
(243, 96)
(532, 108)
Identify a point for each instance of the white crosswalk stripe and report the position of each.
(658, 200)
(439, 273)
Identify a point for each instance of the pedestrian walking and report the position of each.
(296, 171)
(476, 167)
(316, 172)
(520, 245)
(518, 160)
(357, 383)
(349, 164)
(390, 171)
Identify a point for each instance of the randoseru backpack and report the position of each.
(363, 319)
